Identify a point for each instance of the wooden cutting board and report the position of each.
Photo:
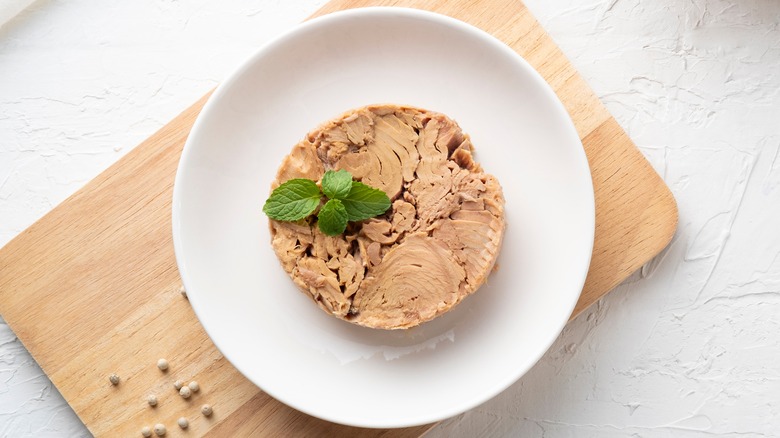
(92, 288)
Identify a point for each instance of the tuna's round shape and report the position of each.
(436, 244)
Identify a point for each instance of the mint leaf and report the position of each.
(293, 200)
(336, 185)
(332, 219)
(364, 202)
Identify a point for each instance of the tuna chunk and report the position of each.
(435, 246)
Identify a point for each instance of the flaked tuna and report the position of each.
(436, 245)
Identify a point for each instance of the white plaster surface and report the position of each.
(690, 346)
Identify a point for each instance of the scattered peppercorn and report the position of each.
(178, 384)
(146, 431)
(159, 429)
(152, 400)
(206, 410)
(183, 292)
(194, 386)
(162, 364)
(185, 392)
(183, 423)
(114, 379)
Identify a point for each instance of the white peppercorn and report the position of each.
(159, 429)
(183, 292)
(185, 392)
(194, 386)
(206, 410)
(152, 400)
(146, 431)
(183, 423)
(114, 379)
(178, 384)
(162, 364)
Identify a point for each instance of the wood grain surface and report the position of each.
(92, 288)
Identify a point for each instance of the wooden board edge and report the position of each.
(191, 111)
(668, 205)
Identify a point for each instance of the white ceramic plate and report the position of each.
(276, 336)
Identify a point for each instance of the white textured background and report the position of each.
(688, 347)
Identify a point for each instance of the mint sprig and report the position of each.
(347, 201)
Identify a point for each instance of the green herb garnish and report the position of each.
(363, 202)
(336, 185)
(293, 200)
(332, 219)
(348, 200)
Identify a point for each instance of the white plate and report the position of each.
(276, 336)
